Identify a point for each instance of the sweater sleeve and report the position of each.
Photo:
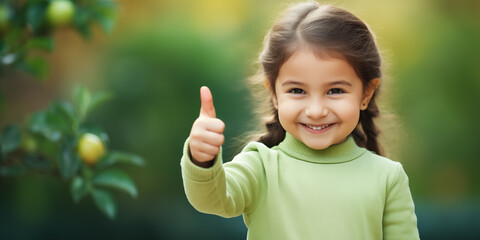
(227, 189)
(399, 220)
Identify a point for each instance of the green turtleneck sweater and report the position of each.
(291, 191)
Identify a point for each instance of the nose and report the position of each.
(316, 108)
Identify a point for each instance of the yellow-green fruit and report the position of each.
(90, 148)
(60, 12)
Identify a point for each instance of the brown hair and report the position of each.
(327, 30)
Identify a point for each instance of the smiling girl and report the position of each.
(317, 172)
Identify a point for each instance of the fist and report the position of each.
(206, 136)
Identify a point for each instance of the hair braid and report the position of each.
(276, 133)
(368, 138)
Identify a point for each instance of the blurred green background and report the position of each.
(161, 52)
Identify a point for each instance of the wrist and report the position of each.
(206, 164)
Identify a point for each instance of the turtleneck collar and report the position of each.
(338, 153)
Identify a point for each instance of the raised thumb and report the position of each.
(207, 109)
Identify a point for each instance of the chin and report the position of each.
(318, 146)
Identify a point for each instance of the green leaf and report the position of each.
(13, 36)
(35, 15)
(66, 110)
(79, 189)
(68, 160)
(36, 162)
(38, 123)
(85, 31)
(105, 15)
(12, 171)
(82, 98)
(41, 43)
(52, 123)
(116, 179)
(59, 117)
(107, 23)
(82, 21)
(11, 139)
(85, 102)
(45, 147)
(35, 66)
(120, 157)
(97, 99)
(104, 202)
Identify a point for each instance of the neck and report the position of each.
(338, 153)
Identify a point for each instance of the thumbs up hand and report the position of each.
(206, 136)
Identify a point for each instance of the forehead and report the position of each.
(307, 65)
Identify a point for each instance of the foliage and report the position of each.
(27, 28)
(49, 145)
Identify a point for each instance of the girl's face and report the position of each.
(319, 99)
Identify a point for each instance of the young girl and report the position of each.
(316, 172)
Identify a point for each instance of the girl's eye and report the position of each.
(296, 91)
(335, 91)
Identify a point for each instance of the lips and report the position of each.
(318, 127)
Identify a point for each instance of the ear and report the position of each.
(368, 93)
(274, 101)
(272, 94)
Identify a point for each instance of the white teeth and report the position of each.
(317, 128)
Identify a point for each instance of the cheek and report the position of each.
(285, 109)
(348, 111)
(288, 110)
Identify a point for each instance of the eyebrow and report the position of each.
(292, 82)
(339, 82)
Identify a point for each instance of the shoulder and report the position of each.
(385, 165)
(381, 160)
(256, 153)
(256, 147)
(259, 149)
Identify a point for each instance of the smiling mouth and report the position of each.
(318, 127)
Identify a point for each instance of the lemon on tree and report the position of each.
(60, 12)
(90, 148)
